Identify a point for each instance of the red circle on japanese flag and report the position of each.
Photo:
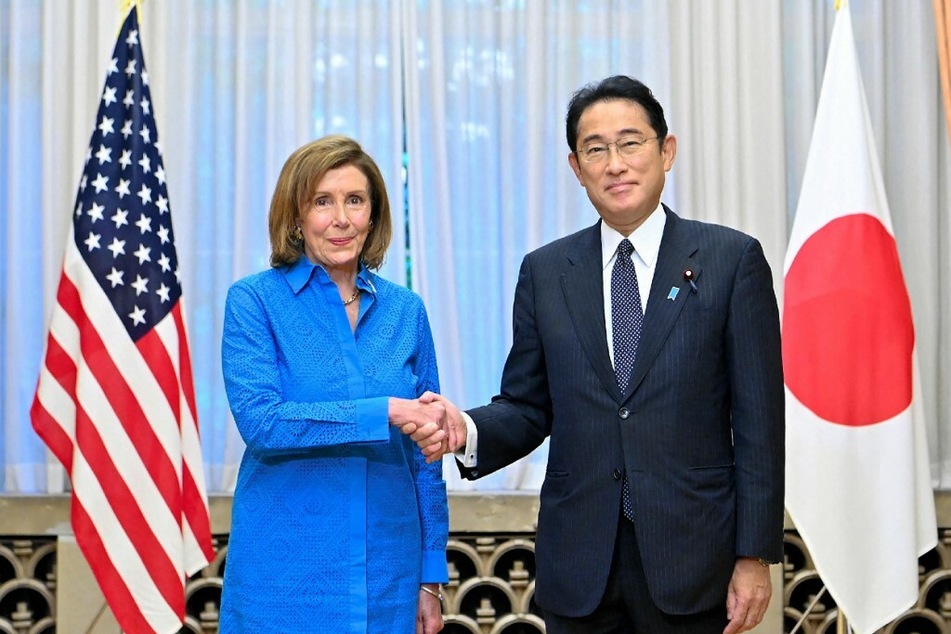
(848, 334)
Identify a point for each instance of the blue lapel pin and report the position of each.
(672, 295)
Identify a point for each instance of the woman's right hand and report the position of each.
(425, 423)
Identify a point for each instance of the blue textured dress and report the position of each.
(337, 517)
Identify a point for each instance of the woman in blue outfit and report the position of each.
(339, 524)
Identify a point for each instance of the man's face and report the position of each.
(624, 189)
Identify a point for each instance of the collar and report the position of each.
(646, 239)
(300, 273)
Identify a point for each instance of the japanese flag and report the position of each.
(857, 475)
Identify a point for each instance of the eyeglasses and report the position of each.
(627, 147)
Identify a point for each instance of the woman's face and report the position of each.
(335, 221)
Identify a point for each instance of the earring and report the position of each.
(370, 225)
(297, 235)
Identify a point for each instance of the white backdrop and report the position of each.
(464, 101)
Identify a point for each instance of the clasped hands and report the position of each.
(433, 423)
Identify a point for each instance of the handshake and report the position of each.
(433, 422)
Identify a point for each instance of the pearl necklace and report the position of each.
(352, 298)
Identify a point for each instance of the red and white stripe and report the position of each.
(120, 416)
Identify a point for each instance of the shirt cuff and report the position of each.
(469, 455)
(373, 419)
(435, 568)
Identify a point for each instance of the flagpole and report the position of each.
(808, 611)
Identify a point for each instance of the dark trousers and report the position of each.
(627, 608)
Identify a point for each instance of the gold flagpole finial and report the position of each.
(126, 5)
(840, 3)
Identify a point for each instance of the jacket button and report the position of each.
(623, 413)
(617, 474)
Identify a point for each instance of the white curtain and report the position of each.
(727, 107)
(462, 102)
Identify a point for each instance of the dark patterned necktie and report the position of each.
(626, 313)
(627, 316)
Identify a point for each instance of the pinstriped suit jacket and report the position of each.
(699, 431)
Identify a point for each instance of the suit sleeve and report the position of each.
(519, 418)
(754, 358)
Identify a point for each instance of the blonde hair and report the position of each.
(302, 172)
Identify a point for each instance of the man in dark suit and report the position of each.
(647, 348)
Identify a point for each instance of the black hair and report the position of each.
(616, 87)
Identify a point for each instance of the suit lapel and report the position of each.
(583, 288)
(677, 248)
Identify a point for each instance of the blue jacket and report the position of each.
(337, 517)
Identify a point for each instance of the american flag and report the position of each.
(115, 401)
